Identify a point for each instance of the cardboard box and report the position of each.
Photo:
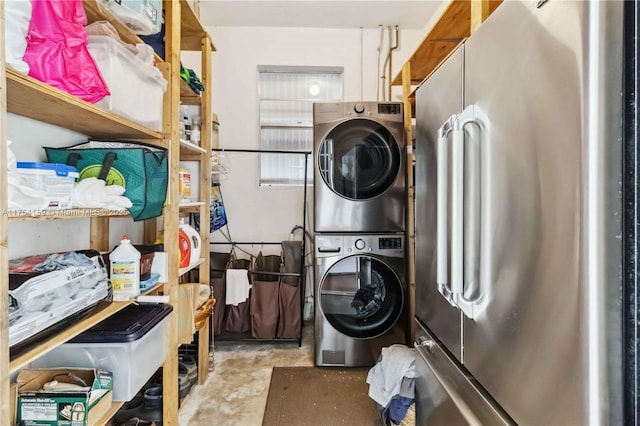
(81, 407)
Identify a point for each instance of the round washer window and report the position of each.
(359, 159)
(361, 296)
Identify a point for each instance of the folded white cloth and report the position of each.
(203, 294)
(385, 378)
(95, 193)
(237, 286)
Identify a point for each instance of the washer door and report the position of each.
(359, 159)
(361, 297)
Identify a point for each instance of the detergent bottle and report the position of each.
(194, 242)
(125, 270)
(184, 245)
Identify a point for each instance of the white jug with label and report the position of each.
(124, 266)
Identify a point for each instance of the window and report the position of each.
(286, 97)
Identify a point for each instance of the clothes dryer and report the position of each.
(361, 297)
(359, 158)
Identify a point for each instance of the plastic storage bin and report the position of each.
(132, 344)
(56, 180)
(136, 87)
(142, 16)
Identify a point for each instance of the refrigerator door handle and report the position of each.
(467, 217)
(457, 211)
(442, 200)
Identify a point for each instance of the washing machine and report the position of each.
(360, 297)
(359, 158)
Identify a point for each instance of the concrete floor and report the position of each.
(235, 393)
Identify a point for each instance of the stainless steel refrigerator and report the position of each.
(518, 258)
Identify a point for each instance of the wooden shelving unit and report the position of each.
(454, 25)
(31, 98)
(458, 21)
(25, 96)
(5, 402)
(185, 33)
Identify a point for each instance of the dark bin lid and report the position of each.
(127, 325)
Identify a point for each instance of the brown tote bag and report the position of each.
(289, 302)
(265, 280)
(219, 262)
(237, 316)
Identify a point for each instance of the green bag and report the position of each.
(143, 170)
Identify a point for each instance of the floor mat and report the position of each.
(300, 396)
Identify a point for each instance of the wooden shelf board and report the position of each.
(188, 204)
(191, 30)
(97, 12)
(452, 28)
(183, 271)
(34, 99)
(115, 406)
(47, 345)
(154, 289)
(187, 147)
(188, 96)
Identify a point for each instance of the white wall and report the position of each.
(268, 214)
(255, 214)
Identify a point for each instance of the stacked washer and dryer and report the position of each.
(361, 294)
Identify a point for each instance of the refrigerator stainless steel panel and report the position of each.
(524, 234)
(527, 94)
(436, 100)
(446, 395)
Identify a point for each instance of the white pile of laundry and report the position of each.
(392, 382)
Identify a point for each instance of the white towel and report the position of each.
(95, 193)
(237, 286)
(385, 378)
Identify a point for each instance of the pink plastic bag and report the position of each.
(57, 49)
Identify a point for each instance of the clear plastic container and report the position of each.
(55, 180)
(136, 87)
(132, 344)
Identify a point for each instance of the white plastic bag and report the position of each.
(17, 14)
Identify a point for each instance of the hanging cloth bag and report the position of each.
(143, 170)
(57, 51)
(265, 279)
(290, 303)
(238, 296)
(219, 263)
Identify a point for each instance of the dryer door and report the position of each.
(361, 296)
(359, 159)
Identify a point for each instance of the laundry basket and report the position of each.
(265, 279)
(237, 315)
(289, 321)
(218, 264)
